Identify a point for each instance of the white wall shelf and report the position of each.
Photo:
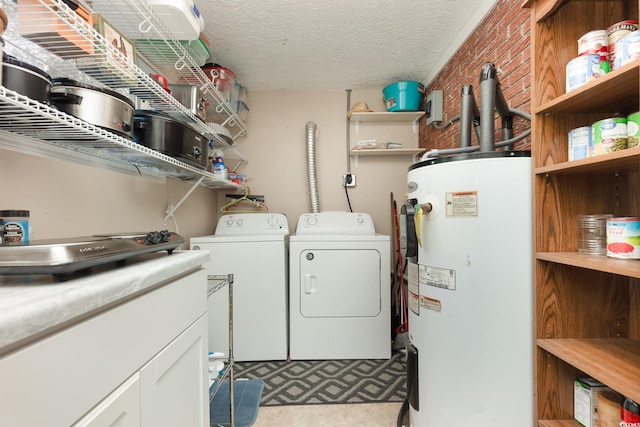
(413, 152)
(34, 128)
(385, 117)
(386, 151)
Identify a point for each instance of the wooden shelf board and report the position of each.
(558, 423)
(599, 95)
(623, 267)
(611, 162)
(615, 361)
(545, 8)
(602, 93)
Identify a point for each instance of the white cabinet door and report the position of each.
(175, 383)
(120, 409)
(60, 378)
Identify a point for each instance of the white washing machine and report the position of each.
(339, 288)
(253, 247)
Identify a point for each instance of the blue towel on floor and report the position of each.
(246, 394)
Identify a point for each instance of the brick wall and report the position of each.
(502, 38)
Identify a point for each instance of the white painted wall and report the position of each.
(70, 200)
(277, 152)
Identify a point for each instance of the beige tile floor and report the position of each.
(361, 414)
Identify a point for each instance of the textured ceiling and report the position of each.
(336, 44)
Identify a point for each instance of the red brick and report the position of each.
(503, 38)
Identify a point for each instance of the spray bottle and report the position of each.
(219, 168)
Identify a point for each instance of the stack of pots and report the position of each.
(223, 78)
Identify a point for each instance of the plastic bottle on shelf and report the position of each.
(219, 168)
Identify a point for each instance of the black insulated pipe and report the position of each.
(476, 119)
(466, 115)
(505, 114)
(488, 85)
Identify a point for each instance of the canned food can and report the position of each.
(592, 234)
(630, 47)
(609, 135)
(623, 237)
(616, 32)
(592, 42)
(582, 70)
(580, 143)
(633, 130)
(15, 226)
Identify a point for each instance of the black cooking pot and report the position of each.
(105, 108)
(26, 79)
(170, 136)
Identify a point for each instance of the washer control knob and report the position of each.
(272, 220)
(360, 220)
(239, 222)
(229, 221)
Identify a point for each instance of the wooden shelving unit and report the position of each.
(587, 308)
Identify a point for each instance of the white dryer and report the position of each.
(253, 247)
(339, 288)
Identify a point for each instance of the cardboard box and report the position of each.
(609, 409)
(106, 66)
(585, 400)
(55, 29)
(114, 37)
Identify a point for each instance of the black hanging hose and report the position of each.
(402, 414)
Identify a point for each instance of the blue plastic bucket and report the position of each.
(403, 96)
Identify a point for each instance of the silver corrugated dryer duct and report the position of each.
(312, 133)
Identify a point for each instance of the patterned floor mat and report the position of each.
(328, 381)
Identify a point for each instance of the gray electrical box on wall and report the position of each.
(433, 106)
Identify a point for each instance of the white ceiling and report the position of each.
(336, 44)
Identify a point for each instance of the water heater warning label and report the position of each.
(462, 203)
(431, 304)
(438, 277)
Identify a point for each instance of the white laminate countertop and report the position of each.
(32, 305)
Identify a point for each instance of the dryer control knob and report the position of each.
(239, 222)
(229, 221)
(312, 220)
(272, 220)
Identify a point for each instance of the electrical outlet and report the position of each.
(348, 180)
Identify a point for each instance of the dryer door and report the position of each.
(340, 283)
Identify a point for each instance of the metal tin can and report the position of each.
(623, 237)
(630, 47)
(580, 143)
(592, 234)
(616, 32)
(592, 42)
(633, 130)
(582, 70)
(15, 226)
(609, 135)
